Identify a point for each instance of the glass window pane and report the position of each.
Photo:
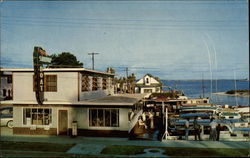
(114, 118)
(100, 119)
(107, 117)
(24, 116)
(93, 120)
(34, 110)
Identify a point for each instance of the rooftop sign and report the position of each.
(40, 57)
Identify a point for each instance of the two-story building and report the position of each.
(148, 84)
(71, 95)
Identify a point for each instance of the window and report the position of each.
(4, 92)
(37, 116)
(9, 79)
(104, 83)
(50, 83)
(85, 83)
(94, 83)
(104, 117)
(147, 90)
(147, 80)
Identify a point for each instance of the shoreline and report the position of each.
(232, 95)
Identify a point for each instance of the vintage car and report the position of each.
(6, 116)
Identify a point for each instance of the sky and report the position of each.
(168, 39)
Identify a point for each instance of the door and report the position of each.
(63, 122)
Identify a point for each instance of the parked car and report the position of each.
(6, 116)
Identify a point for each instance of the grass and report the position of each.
(35, 146)
(174, 151)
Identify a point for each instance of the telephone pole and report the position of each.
(93, 59)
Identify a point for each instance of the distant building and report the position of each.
(148, 84)
(6, 86)
(71, 95)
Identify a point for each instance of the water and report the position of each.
(193, 89)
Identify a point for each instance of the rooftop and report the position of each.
(116, 100)
(56, 70)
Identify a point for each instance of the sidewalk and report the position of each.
(124, 141)
(95, 145)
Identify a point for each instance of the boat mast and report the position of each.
(235, 87)
(202, 86)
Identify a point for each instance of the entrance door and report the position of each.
(63, 122)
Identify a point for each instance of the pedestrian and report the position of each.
(197, 129)
(213, 131)
(141, 123)
(218, 132)
(186, 128)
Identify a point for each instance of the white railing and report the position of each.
(134, 120)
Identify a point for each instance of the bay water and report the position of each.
(193, 89)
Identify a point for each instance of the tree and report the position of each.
(131, 83)
(65, 60)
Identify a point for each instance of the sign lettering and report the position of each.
(40, 57)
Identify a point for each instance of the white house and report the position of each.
(6, 86)
(148, 84)
(71, 95)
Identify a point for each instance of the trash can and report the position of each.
(74, 128)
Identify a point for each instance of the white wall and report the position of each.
(68, 87)
(23, 87)
(82, 117)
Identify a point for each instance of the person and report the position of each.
(197, 130)
(186, 128)
(213, 131)
(141, 123)
(218, 132)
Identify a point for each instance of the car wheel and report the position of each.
(10, 124)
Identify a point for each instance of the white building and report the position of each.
(148, 84)
(71, 94)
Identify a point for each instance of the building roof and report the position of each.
(57, 70)
(119, 100)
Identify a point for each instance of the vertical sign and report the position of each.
(39, 58)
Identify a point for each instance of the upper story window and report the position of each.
(85, 83)
(147, 81)
(4, 92)
(50, 83)
(104, 83)
(94, 84)
(9, 79)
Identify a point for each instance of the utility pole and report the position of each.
(127, 77)
(93, 59)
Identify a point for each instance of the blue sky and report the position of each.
(169, 39)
